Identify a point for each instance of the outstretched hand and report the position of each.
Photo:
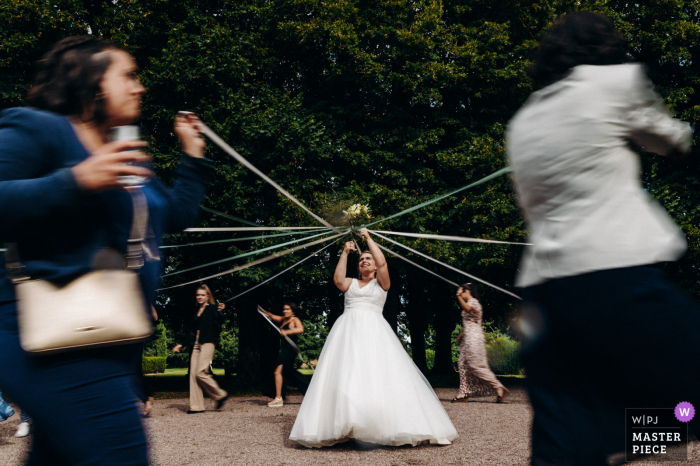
(364, 233)
(188, 128)
(349, 246)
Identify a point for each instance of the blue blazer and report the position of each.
(58, 227)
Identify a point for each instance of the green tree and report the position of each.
(386, 103)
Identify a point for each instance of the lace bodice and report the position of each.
(475, 315)
(370, 297)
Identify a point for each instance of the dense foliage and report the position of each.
(384, 103)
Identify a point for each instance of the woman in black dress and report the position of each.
(204, 332)
(292, 327)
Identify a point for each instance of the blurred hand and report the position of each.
(364, 233)
(460, 337)
(283, 332)
(177, 349)
(103, 168)
(154, 314)
(188, 129)
(459, 291)
(221, 306)
(349, 246)
(261, 309)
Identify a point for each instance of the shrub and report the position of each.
(504, 356)
(153, 365)
(161, 341)
(429, 358)
(227, 350)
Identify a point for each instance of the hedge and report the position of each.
(152, 365)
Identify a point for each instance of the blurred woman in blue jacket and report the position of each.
(61, 201)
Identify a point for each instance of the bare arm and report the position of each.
(339, 278)
(273, 317)
(295, 328)
(379, 261)
(464, 304)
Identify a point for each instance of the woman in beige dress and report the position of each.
(475, 375)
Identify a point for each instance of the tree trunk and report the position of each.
(417, 326)
(443, 323)
(391, 308)
(254, 340)
(336, 304)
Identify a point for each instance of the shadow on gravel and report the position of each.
(179, 407)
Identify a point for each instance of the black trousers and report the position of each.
(598, 343)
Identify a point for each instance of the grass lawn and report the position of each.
(181, 371)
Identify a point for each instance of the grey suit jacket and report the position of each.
(577, 180)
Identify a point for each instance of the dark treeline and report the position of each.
(384, 103)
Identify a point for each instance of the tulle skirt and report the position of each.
(367, 387)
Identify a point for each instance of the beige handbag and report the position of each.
(104, 307)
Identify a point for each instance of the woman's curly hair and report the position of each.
(578, 38)
(68, 78)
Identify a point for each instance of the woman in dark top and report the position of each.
(61, 202)
(292, 327)
(204, 330)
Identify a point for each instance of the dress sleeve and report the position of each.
(650, 122)
(29, 196)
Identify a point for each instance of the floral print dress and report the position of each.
(475, 375)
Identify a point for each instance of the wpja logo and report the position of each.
(658, 434)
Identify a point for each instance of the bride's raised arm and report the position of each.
(379, 260)
(339, 278)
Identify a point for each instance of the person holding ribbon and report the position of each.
(366, 387)
(604, 327)
(475, 375)
(289, 349)
(66, 212)
(205, 327)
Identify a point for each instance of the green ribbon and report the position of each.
(249, 238)
(270, 248)
(500, 172)
(230, 217)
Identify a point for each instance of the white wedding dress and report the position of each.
(366, 386)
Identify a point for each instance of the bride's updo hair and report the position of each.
(359, 274)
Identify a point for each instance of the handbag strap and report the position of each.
(139, 225)
(135, 248)
(15, 268)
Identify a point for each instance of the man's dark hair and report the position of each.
(68, 78)
(579, 38)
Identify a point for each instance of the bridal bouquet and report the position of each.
(357, 212)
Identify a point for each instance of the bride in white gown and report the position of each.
(366, 386)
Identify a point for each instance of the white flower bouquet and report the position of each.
(357, 212)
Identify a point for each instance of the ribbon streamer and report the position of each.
(289, 340)
(256, 262)
(230, 217)
(448, 266)
(246, 254)
(250, 229)
(500, 172)
(284, 271)
(449, 238)
(247, 238)
(230, 151)
(413, 263)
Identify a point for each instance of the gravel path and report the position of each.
(247, 432)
